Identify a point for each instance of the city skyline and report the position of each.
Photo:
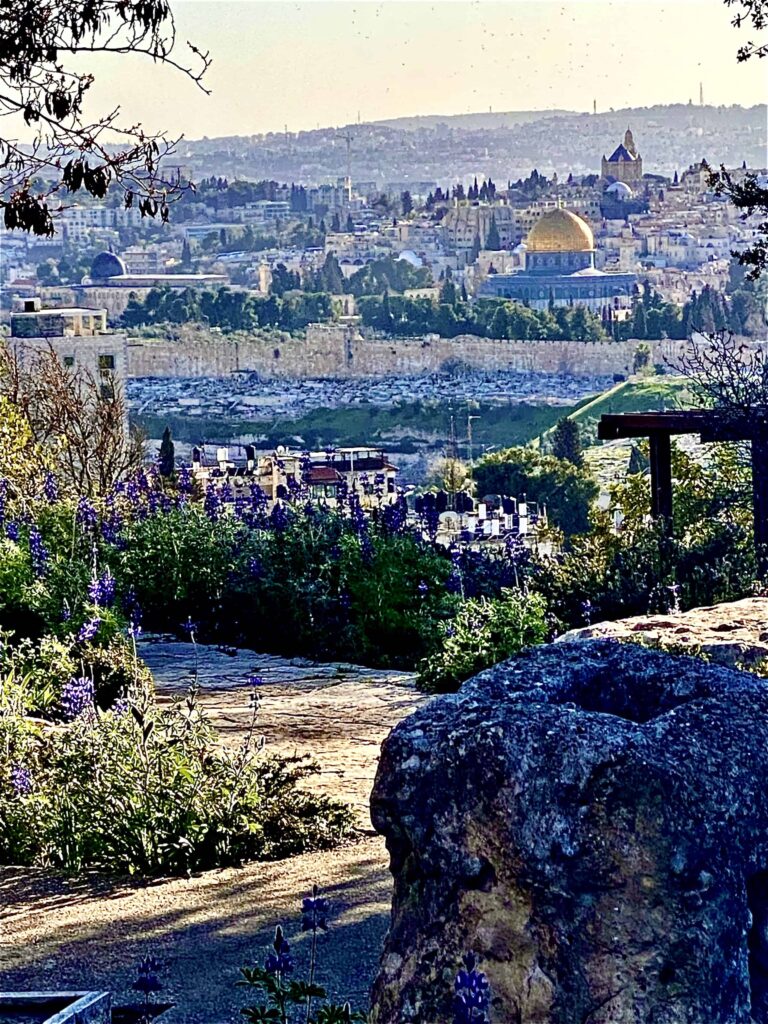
(298, 66)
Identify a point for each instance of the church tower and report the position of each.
(625, 163)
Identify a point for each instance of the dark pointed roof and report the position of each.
(621, 153)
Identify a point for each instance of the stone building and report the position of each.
(560, 270)
(78, 335)
(109, 285)
(625, 163)
(327, 476)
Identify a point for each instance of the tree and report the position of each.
(186, 255)
(449, 474)
(350, 224)
(566, 490)
(166, 461)
(78, 423)
(748, 195)
(493, 241)
(566, 441)
(406, 202)
(70, 151)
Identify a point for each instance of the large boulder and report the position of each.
(590, 819)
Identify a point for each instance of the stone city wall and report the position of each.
(340, 352)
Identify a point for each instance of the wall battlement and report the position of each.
(338, 351)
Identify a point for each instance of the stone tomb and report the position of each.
(590, 819)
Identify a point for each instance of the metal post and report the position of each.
(661, 477)
(760, 496)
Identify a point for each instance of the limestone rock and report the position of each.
(591, 819)
(734, 633)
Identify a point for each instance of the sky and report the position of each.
(330, 62)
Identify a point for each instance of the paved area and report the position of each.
(91, 932)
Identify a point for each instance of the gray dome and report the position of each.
(620, 190)
(105, 265)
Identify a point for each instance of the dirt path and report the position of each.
(90, 933)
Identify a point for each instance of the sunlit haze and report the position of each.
(304, 65)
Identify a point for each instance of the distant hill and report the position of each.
(491, 119)
(447, 148)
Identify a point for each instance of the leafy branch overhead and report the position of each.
(750, 194)
(753, 13)
(69, 150)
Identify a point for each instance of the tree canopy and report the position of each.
(71, 150)
(566, 490)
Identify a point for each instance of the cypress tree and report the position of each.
(493, 242)
(166, 462)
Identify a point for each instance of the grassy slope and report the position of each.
(400, 428)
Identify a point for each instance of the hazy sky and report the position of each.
(324, 61)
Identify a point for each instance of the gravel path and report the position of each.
(90, 933)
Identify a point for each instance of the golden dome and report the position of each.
(560, 231)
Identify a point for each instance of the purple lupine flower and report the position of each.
(186, 484)
(471, 994)
(121, 707)
(86, 516)
(212, 503)
(227, 495)
(255, 568)
(258, 498)
(314, 912)
(190, 628)
(77, 697)
(66, 611)
(3, 498)
(279, 518)
(21, 779)
(38, 552)
(357, 516)
(131, 606)
(12, 530)
(50, 487)
(88, 630)
(142, 481)
(587, 610)
(134, 630)
(101, 589)
(280, 961)
(133, 494)
(240, 508)
(366, 549)
(256, 680)
(453, 583)
(423, 588)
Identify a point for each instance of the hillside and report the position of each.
(504, 146)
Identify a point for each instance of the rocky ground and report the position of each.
(733, 634)
(249, 396)
(90, 933)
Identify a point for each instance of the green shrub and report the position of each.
(483, 633)
(146, 790)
